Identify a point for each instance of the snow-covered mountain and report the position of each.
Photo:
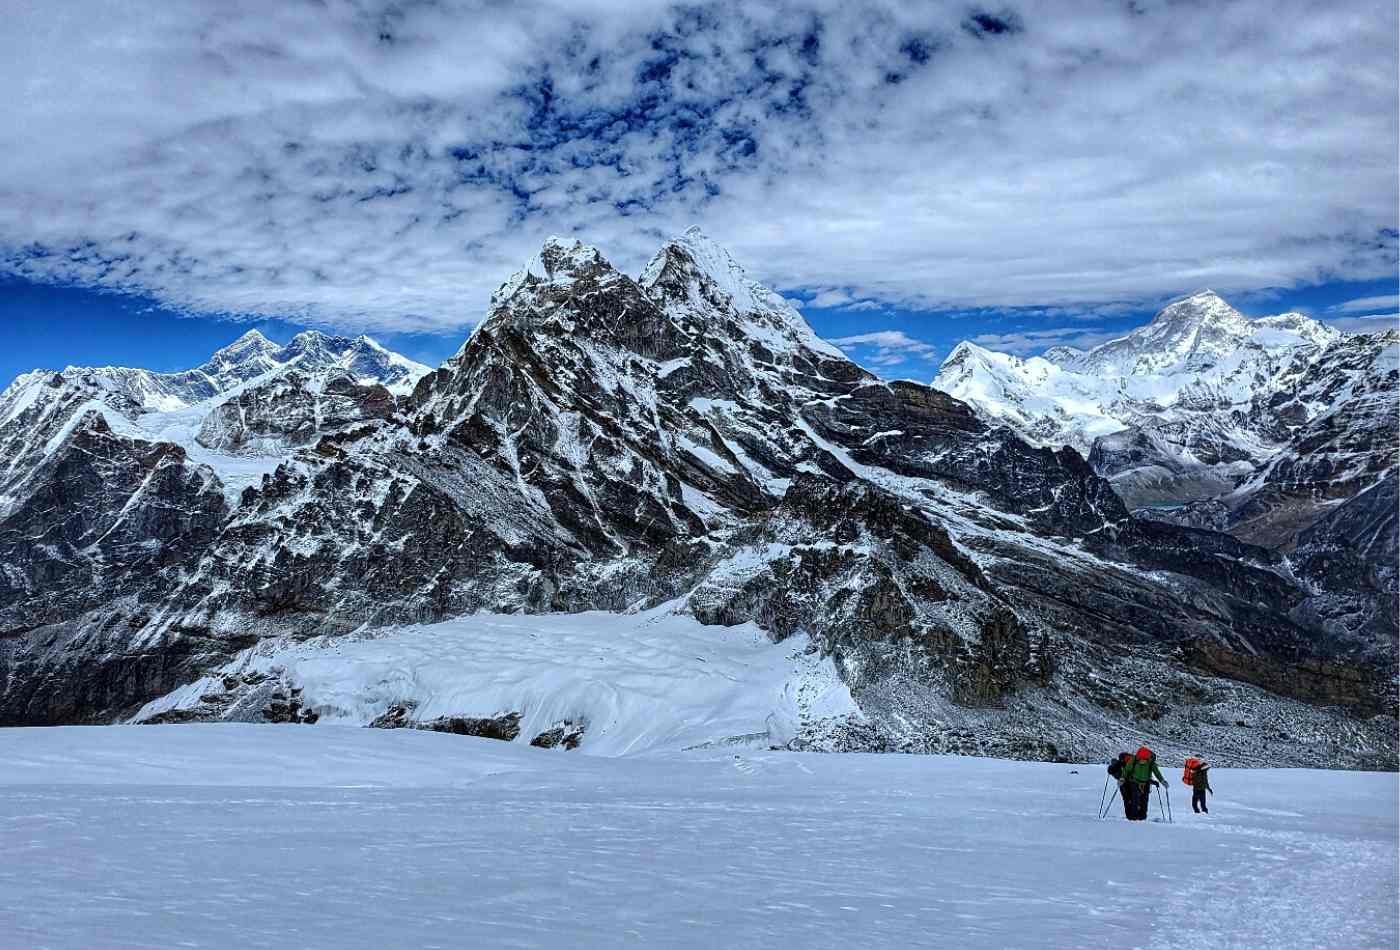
(1207, 417)
(240, 413)
(250, 356)
(680, 442)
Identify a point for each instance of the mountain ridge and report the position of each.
(608, 443)
(1203, 415)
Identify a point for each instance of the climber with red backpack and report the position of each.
(1195, 775)
(1139, 777)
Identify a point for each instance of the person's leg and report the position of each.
(1196, 800)
(1127, 796)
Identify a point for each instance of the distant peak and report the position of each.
(963, 349)
(561, 253)
(251, 343)
(560, 260)
(1062, 352)
(1204, 307)
(315, 338)
(696, 254)
(1206, 297)
(253, 338)
(561, 257)
(966, 351)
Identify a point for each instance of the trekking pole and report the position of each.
(1104, 796)
(1104, 814)
(1169, 805)
(1160, 812)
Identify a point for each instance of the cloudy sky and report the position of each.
(1024, 174)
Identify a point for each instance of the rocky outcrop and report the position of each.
(566, 735)
(292, 411)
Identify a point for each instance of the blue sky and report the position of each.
(914, 174)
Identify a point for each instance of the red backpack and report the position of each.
(1188, 774)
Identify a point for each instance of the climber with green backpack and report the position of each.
(1138, 779)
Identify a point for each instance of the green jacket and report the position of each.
(1199, 778)
(1143, 771)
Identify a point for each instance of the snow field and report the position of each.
(233, 835)
(656, 680)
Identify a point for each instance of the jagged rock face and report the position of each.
(105, 511)
(1149, 469)
(86, 559)
(1349, 559)
(1333, 454)
(290, 411)
(37, 411)
(1206, 418)
(607, 443)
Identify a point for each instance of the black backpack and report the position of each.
(1115, 768)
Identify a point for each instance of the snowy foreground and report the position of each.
(289, 836)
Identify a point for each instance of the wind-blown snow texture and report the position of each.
(258, 836)
(681, 442)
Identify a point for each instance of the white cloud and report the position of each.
(886, 347)
(1026, 342)
(831, 298)
(1386, 303)
(384, 166)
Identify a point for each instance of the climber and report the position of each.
(1140, 777)
(1200, 784)
(1118, 769)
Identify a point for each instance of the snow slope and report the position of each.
(654, 680)
(276, 836)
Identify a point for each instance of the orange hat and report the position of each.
(1144, 753)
